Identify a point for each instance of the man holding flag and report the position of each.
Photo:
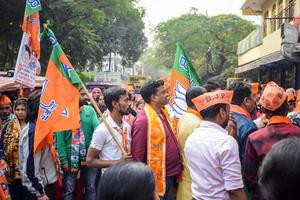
(58, 110)
(38, 172)
(59, 106)
(183, 77)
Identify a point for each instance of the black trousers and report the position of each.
(19, 192)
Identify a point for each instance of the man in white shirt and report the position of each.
(213, 155)
(104, 150)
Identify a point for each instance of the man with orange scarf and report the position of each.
(243, 103)
(186, 125)
(154, 141)
(274, 105)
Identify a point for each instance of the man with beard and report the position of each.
(72, 146)
(243, 103)
(5, 111)
(104, 150)
(154, 141)
(212, 155)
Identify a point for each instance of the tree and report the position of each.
(124, 35)
(10, 31)
(210, 42)
(87, 30)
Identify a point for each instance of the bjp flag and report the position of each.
(59, 103)
(183, 76)
(31, 24)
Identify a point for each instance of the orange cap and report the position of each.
(254, 88)
(4, 100)
(209, 99)
(272, 97)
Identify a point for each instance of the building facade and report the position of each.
(261, 51)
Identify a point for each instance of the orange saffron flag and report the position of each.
(31, 24)
(59, 103)
(183, 77)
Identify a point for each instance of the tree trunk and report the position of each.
(109, 61)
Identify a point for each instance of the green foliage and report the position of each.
(10, 31)
(210, 42)
(86, 76)
(87, 30)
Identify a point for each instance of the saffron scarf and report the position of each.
(279, 120)
(78, 150)
(156, 147)
(240, 110)
(125, 142)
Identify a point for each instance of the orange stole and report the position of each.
(156, 147)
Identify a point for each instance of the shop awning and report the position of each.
(271, 58)
(8, 84)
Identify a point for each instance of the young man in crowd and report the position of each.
(72, 146)
(212, 155)
(274, 105)
(186, 125)
(104, 150)
(243, 103)
(38, 170)
(154, 141)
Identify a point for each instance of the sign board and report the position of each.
(27, 63)
(109, 77)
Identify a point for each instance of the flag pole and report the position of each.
(103, 119)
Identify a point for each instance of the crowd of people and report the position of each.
(237, 143)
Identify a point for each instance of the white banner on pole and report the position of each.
(27, 63)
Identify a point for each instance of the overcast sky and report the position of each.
(162, 10)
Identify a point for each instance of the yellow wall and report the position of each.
(271, 42)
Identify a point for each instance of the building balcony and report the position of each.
(265, 41)
(269, 44)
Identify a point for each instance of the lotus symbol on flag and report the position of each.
(179, 103)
